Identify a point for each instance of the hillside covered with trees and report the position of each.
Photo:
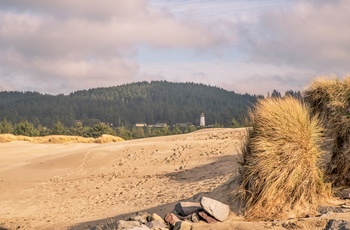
(125, 105)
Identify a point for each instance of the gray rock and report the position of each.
(337, 225)
(130, 225)
(156, 225)
(215, 208)
(326, 209)
(187, 208)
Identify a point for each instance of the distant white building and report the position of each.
(140, 124)
(160, 125)
(202, 120)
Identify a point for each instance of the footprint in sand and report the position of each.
(83, 161)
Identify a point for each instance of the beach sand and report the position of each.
(76, 186)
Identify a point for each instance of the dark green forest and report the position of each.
(125, 105)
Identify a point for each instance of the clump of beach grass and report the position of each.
(60, 139)
(331, 99)
(281, 177)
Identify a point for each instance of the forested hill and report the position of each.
(142, 102)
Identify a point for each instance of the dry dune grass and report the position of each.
(280, 173)
(331, 99)
(59, 139)
(9, 138)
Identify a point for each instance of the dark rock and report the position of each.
(326, 209)
(345, 193)
(215, 208)
(130, 225)
(337, 225)
(207, 217)
(192, 218)
(171, 219)
(187, 208)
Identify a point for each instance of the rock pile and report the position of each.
(181, 218)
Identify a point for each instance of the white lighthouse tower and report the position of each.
(202, 120)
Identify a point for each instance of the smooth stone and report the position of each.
(215, 208)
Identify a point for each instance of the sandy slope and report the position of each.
(57, 186)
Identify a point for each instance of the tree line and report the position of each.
(27, 128)
(125, 105)
(116, 110)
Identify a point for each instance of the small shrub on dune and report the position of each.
(280, 173)
(331, 99)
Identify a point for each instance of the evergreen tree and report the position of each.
(78, 129)
(25, 128)
(138, 132)
(276, 94)
(176, 130)
(6, 127)
(234, 123)
(99, 129)
(43, 131)
(59, 129)
(124, 133)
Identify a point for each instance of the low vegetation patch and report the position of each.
(59, 139)
(280, 173)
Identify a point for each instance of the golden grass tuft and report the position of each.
(331, 99)
(280, 173)
(60, 139)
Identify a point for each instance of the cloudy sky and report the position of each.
(254, 46)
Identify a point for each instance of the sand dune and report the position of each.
(62, 186)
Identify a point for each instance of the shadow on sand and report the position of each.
(222, 165)
(222, 193)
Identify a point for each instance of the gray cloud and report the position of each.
(78, 8)
(59, 46)
(313, 35)
(267, 82)
(50, 45)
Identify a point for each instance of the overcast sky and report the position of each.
(254, 46)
